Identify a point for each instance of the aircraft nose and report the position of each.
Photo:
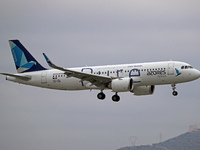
(197, 73)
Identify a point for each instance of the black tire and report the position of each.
(115, 98)
(175, 93)
(101, 96)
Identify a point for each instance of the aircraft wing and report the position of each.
(92, 78)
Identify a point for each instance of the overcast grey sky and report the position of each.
(87, 32)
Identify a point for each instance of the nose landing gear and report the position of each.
(175, 93)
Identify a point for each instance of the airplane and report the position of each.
(137, 78)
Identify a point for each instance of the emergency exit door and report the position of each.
(44, 77)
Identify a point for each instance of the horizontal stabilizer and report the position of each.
(26, 78)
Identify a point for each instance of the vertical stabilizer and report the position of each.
(24, 61)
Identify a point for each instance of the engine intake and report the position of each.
(122, 85)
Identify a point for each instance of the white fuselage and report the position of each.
(155, 73)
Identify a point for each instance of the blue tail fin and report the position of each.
(24, 61)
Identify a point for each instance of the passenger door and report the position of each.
(171, 69)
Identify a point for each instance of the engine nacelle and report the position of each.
(144, 90)
(122, 85)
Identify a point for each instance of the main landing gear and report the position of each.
(175, 93)
(102, 96)
(115, 98)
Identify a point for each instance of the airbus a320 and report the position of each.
(137, 78)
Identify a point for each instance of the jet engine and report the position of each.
(122, 85)
(144, 90)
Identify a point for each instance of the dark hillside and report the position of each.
(187, 141)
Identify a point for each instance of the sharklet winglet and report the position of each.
(52, 65)
(48, 60)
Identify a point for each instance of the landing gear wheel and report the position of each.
(115, 98)
(101, 96)
(175, 93)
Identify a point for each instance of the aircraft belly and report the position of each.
(62, 83)
(152, 80)
(167, 80)
(66, 84)
(159, 80)
(72, 84)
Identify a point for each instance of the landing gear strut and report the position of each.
(101, 96)
(175, 93)
(115, 98)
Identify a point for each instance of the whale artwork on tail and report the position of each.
(24, 61)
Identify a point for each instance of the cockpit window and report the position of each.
(186, 67)
(190, 67)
